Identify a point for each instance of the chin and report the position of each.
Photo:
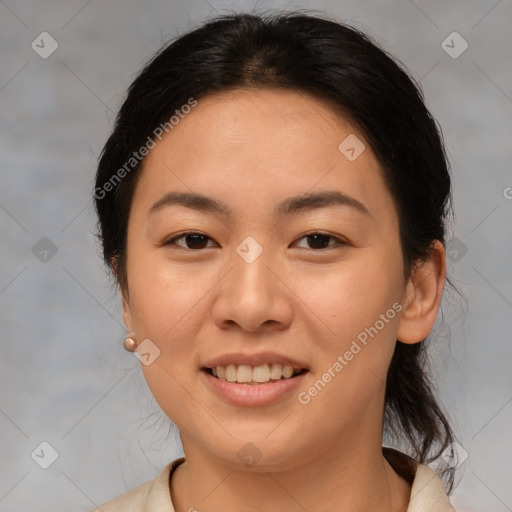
(258, 455)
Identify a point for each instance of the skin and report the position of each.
(252, 149)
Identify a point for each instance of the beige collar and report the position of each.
(427, 494)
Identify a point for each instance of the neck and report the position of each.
(351, 476)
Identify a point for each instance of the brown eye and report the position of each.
(321, 241)
(193, 240)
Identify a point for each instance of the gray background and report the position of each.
(64, 377)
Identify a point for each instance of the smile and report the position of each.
(254, 375)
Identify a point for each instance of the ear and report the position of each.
(422, 296)
(123, 286)
(127, 312)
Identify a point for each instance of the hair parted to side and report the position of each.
(336, 63)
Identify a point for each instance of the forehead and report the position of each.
(245, 145)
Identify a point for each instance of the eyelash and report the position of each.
(339, 241)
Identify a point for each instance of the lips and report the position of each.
(253, 394)
(254, 369)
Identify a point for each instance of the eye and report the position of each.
(321, 240)
(193, 240)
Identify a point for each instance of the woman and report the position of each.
(272, 203)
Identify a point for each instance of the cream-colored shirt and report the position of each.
(427, 494)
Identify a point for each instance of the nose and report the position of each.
(254, 294)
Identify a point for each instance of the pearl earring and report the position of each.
(129, 344)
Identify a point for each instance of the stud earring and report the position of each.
(129, 344)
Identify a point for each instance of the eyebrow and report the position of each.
(289, 206)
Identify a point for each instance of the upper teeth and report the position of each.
(246, 373)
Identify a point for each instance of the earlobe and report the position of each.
(422, 297)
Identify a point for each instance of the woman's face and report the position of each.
(316, 285)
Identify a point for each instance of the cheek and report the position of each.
(166, 308)
(163, 296)
(351, 296)
(351, 371)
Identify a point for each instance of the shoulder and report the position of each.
(132, 500)
(428, 492)
(153, 495)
